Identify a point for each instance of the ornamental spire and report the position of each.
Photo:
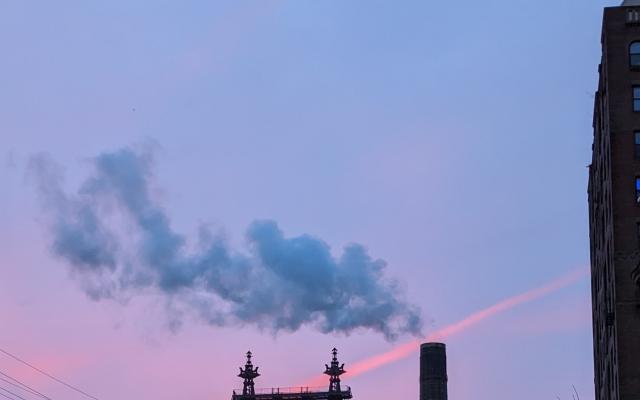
(334, 372)
(248, 374)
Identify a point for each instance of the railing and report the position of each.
(293, 390)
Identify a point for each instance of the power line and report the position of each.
(17, 386)
(5, 396)
(13, 394)
(48, 375)
(22, 386)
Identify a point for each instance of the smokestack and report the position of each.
(433, 371)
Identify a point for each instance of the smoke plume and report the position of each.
(118, 241)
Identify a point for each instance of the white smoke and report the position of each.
(276, 282)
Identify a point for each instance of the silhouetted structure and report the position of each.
(334, 372)
(614, 208)
(248, 374)
(334, 392)
(433, 371)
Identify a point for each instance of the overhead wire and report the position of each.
(17, 386)
(60, 381)
(22, 386)
(7, 397)
(13, 394)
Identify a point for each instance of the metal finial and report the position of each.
(248, 374)
(334, 371)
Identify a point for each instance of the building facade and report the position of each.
(614, 208)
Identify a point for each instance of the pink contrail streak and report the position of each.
(406, 349)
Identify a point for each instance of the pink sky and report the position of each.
(444, 334)
(104, 348)
(429, 132)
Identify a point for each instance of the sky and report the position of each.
(450, 139)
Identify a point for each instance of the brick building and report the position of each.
(614, 208)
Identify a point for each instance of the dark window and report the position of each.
(611, 317)
(637, 190)
(636, 98)
(637, 144)
(634, 54)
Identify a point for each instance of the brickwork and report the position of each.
(614, 213)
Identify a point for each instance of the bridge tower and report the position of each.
(248, 374)
(334, 371)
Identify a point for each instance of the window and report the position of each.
(637, 144)
(636, 98)
(637, 190)
(634, 54)
(611, 317)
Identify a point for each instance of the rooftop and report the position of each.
(292, 393)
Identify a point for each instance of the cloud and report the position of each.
(118, 241)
